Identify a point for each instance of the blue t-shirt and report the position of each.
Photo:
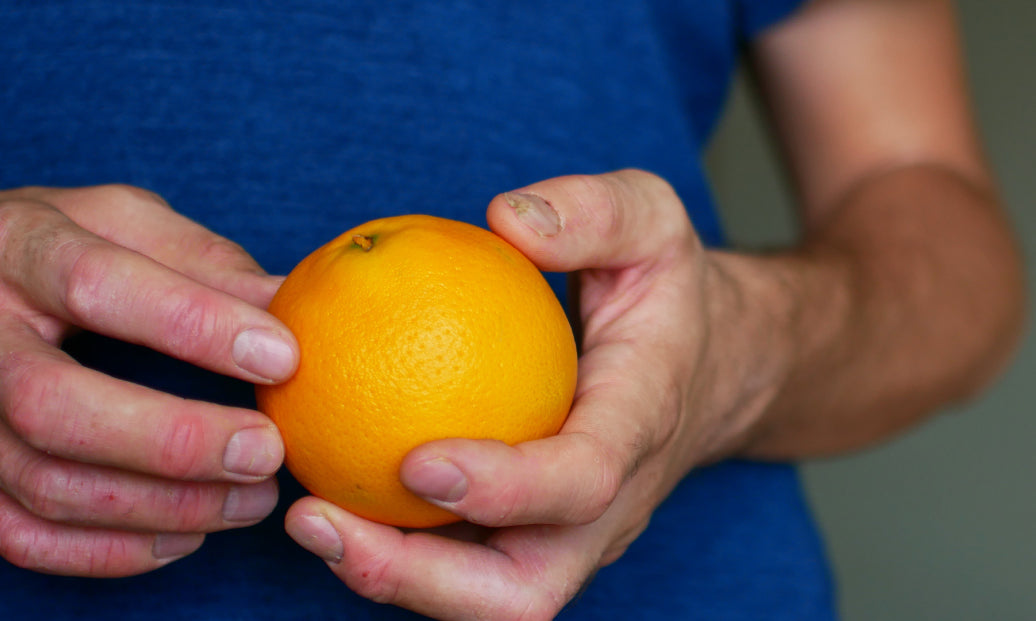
(279, 123)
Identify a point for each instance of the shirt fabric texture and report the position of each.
(281, 123)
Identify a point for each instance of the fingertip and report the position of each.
(332, 533)
(562, 479)
(250, 503)
(311, 529)
(535, 212)
(530, 224)
(310, 506)
(574, 222)
(267, 355)
(545, 221)
(169, 547)
(482, 481)
(254, 452)
(435, 478)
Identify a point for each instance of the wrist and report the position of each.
(760, 331)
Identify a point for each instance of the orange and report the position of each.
(414, 328)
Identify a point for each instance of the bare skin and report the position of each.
(99, 476)
(904, 295)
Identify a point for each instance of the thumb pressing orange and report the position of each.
(411, 329)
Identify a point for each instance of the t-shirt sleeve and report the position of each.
(754, 16)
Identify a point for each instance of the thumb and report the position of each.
(611, 221)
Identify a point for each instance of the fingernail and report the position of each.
(535, 213)
(315, 533)
(256, 451)
(263, 353)
(169, 546)
(249, 503)
(437, 479)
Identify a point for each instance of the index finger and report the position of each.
(87, 281)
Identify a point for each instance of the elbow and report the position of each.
(997, 324)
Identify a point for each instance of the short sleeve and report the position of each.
(754, 16)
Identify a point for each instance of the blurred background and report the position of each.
(940, 523)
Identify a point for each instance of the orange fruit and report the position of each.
(414, 328)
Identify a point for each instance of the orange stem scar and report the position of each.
(364, 242)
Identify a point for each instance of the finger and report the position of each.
(144, 222)
(570, 478)
(61, 408)
(61, 491)
(35, 544)
(614, 220)
(525, 573)
(89, 282)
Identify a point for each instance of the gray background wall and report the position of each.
(940, 523)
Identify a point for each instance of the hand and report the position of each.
(99, 476)
(645, 413)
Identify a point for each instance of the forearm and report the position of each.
(908, 299)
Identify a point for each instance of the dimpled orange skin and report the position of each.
(414, 328)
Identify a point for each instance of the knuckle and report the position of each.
(214, 249)
(31, 390)
(671, 397)
(644, 185)
(497, 497)
(107, 554)
(48, 489)
(639, 178)
(373, 579)
(508, 505)
(60, 492)
(182, 445)
(20, 541)
(550, 584)
(535, 600)
(124, 196)
(35, 544)
(610, 473)
(602, 197)
(595, 193)
(13, 212)
(667, 208)
(193, 323)
(27, 231)
(10, 211)
(100, 207)
(187, 505)
(600, 497)
(541, 607)
(89, 268)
